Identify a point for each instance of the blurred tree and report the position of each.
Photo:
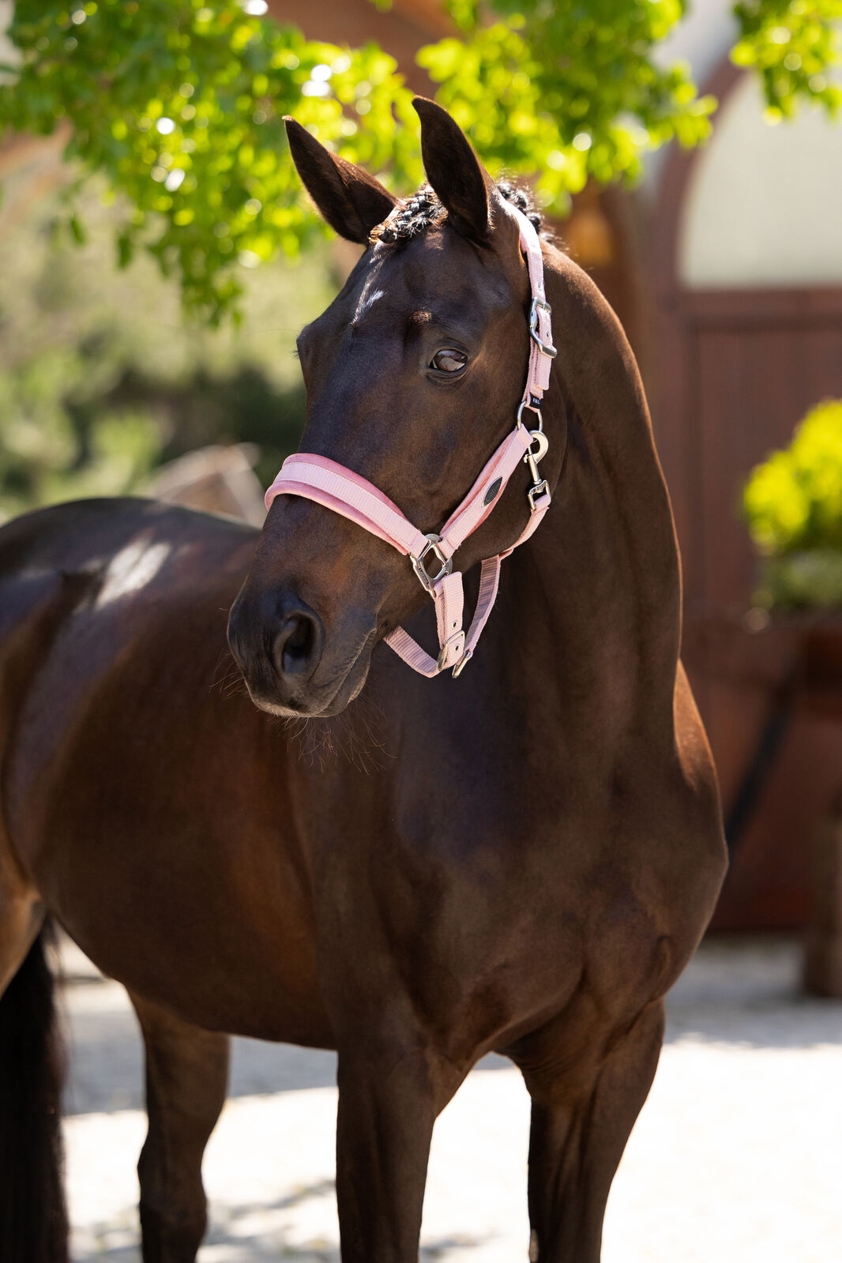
(577, 89)
(101, 378)
(178, 103)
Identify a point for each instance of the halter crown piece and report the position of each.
(335, 487)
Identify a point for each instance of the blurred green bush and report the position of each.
(101, 378)
(793, 504)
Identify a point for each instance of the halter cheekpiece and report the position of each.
(335, 487)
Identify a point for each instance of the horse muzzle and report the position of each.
(282, 648)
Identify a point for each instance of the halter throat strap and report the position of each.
(338, 488)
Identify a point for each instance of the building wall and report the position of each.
(702, 39)
(744, 280)
(764, 204)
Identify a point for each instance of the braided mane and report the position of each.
(424, 210)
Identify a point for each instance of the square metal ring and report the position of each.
(428, 581)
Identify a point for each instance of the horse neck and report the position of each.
(601, 575)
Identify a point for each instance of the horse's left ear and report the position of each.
(455, 173)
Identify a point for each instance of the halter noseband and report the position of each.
(335, 487)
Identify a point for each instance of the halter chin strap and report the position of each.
(335, 487)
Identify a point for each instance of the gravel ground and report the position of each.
(736, 1157)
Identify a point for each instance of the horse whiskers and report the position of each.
(328, 740)
(222, 670)
(227, 677)
(312, 737)
(318, 739)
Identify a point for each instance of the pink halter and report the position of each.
(335, 487)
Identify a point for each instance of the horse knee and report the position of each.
(583, 1110)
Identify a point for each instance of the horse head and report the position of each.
(414, 375)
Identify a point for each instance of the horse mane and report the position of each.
(424, 210)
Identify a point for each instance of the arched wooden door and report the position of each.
(747, 271)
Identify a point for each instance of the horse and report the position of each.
(335, 850)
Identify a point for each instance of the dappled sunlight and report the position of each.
(131, 569)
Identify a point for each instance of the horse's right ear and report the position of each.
(350, 199)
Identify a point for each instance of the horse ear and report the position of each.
(455, 173)
(350, 199)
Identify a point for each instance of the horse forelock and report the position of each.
(424, 210)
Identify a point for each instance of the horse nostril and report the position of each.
(300, 640)
(297, 647)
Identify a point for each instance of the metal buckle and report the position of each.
(461, 664)
(441, 661)
(429, 581)
(546, 348)
(540, 489)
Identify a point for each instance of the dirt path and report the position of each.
(736, 1158)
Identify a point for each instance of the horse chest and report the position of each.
(473, 908)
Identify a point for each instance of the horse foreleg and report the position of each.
(390, 1092)
(186, 1081)
(584, 1105)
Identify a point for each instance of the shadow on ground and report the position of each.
(747, 991)
(246, 1234)
(736, 991)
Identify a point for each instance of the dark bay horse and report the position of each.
(413, 871)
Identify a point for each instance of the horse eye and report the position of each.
(449, 360)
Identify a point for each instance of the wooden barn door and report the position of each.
(757, 361)
(735, 370)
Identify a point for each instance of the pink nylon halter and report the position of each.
(335, 487)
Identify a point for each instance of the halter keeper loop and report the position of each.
(541, 307)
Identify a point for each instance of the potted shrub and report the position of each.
(793, 503)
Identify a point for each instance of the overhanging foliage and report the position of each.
(179, 105)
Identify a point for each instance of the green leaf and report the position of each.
(179, 107)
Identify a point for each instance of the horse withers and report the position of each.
(413, 871)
